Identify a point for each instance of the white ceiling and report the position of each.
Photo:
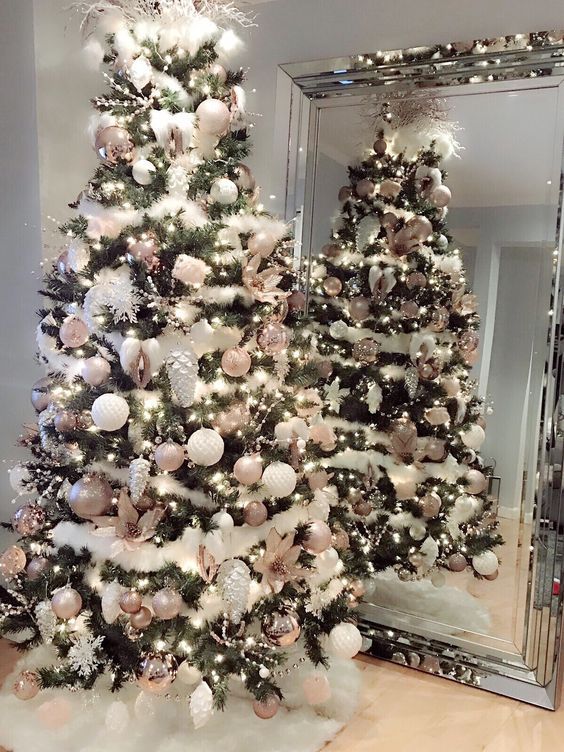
(508, 141)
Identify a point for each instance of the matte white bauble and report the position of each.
(205, 447)
(188, 674)
(224, 191)
(213, 117)
(418, 530)
(486, 563)
(110, 412)
(223, 520)
(144, 172)
(140, 72)
(280, 479)
(474, 437)
(465, 507)
(345, 640)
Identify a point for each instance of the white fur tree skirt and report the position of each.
(153, 724)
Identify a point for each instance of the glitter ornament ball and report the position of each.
(66, 603)
(441, 196)
(65, 421)
(366, 350)
(73, 332)
(131, 602)
(476, 482)
(169, 456)
(282, 628)
(280, 479)
(485, 564)
(213, 117)
(41, 393)
(266, 709)
(318, 537)
(236, 362)
(345, 640)
(224, 191)
(317, 689)
(166, 603)
(248, 470)
(359, 308)
(96, 371)
(273, 338)
(297, 301)
(156, 672)
(110, 412)
(457, 563)
(26, 686)
(255, 514)
(144, 172)
(435, 449)
(113, 144)
(141, 619)
(37, 567)
(90, 496)
(205, 447)
(12, 562)
(28, 520)
(332, 286)
(430, 505)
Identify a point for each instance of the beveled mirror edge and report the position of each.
(319, 80)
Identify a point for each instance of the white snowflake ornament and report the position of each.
(83, 655)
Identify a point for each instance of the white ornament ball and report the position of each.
(474, 437)
(188, 674)
(213, 117)
(338, 329)
(110, 412)
(140, 72)
(223, 520)
(144, 172)
(418, 530)
(18, 475)
(318, 509)
(280, 479)
(486, 563)
(345, 640)
(224, 191)
(326, 562)
(465, 507)
(205, 447)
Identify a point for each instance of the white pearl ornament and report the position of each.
(345, 640)
(110, 412)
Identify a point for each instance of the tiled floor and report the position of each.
(402, 710)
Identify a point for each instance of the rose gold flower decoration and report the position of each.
(278, 563)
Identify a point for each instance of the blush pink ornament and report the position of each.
(12, 562)
(169, 456)
(318, 537)
(66, 603)
(167, 603)
(365, 188)
(476, 482)
(37, 567)
(55, 713)
(266, 709)
(73, 332)
(255, 514)
(451, 385)
(65, 421)
(41, 393)
(441, 196)
(430, 504)
(96, 371)
(26, 686)
(141, 619)
(437, 416)
(29, 519)
(318, 480)
(317, 689)
(359, 308)
(389, 188)
(435, 450)
(90, 496)
(213, 117)
(332, 286)
(248, 470)
(273, 338)
(190, 270)
(324, 435)
(131, 602)
(262, 243)
(236, 362)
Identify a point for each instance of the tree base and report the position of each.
(159, 725)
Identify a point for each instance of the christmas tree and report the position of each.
(398, 332)
(178, 523)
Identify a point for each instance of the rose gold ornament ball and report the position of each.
(248, 470)
(113, 144)
(29, 519)
(73, 332)
(324, 368)
(441, 196)
(142, 618)
(255, 513)
(366, 350)
(409, 309)
(236, 362)
(359, 308)
(65, 421)
(131, 602)
(416, 279)
(157, 672)
(318, 537)
(12, 562)
(457, 563)
(282, 628)
(332, 286)
(26, 686)
(345, 192)
(262, 243)
(90, 496)
(41, 394)
(266, 709)
(318, 480)
(341, 540)
(96, 371)
(169, 456)
(365, 188)
(435, 449)
(37, 567)
(476, 482)
(380, 147)
(273, 338)
(66, 603)
(297, 301)
(430, 504)
(213, 117)
(167, 603)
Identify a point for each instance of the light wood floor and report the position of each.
(402, 710)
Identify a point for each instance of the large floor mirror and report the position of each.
(507, 98)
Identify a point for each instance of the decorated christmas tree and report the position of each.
(397, 326)
(177, 531)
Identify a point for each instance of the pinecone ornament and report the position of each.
(182, 371)
(201, 705)
(46, 621)
(234, 581)
(138, 478)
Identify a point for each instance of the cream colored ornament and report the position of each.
(345, 640)
(485, 564)
(474, 437)
(144, 172)
(205, 447)
(201, 705)
(224, 191)
(280, 479)
(190, 270)
(188, 674)
(110, 412)
(140, 72)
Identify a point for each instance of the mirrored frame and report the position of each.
(523, 61)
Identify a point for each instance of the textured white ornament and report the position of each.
(339, 329)
(224, 191)
(140, 72)
(234, 582)
(46, 621)
(486, 563)
(367, 231)
(374, 398)
(110, 412)
(83, 655)
(144, 172)
(474, 437)
(280, 479)
(188, 674)
(182, 372)
(411, 381)
(201, 705)
(139, 472)
(345, 640)
(110, 601)
(117, 717)
(205, 447)
(177, 180)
